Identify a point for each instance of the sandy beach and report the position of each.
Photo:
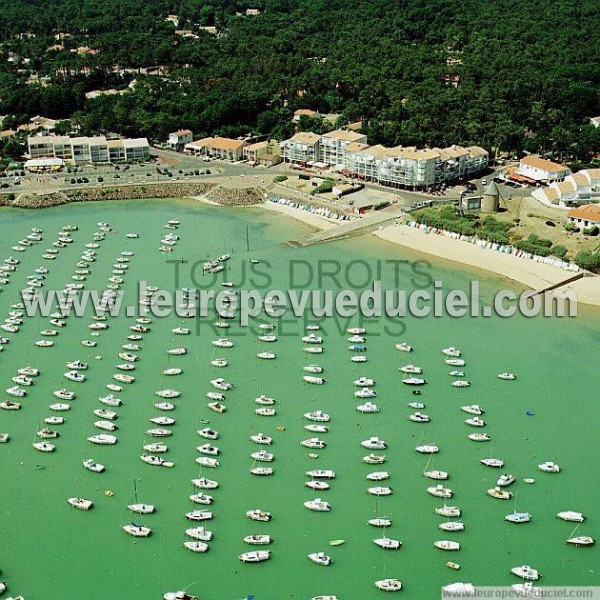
(309, 218)
(530, 274)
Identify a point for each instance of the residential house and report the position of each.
(42, 146)
(39, 124)
(178, 139)
(97, 93)
(356, 126)
(116, 151)
(541, 170)
(579, 188)
(217, 147)
(267, 153)
(89, 149)
(304, 112)
(186, 33)
(452, 80)
(86, 50)
(37, 79)
(585, 216)
(595, 121)
(567, 192)
(582, 183)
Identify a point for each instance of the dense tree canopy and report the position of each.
(529, 71)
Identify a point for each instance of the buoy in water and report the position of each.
(109, 493)
(280, 428)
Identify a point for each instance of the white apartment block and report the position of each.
(95, 149)
(349, 152)
(332, 146)
(301, 148)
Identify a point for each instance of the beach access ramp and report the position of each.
(348, 229)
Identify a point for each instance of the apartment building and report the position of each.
(409, 167)
(452, 165)
(301, 149)
(95, 149)
(332, 146)
(349, 152)
(366, 163)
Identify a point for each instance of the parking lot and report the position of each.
(100, 175)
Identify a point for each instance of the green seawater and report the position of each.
(50, 551)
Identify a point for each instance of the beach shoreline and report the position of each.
(526, 272)
(318, 222)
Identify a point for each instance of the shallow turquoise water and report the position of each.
(51, 551)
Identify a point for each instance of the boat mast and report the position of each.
(574, 530)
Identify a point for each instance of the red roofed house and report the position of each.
(304, 112)
(585, 216)
(540, 169)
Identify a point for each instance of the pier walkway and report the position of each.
(560, 284)
(358, 227)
